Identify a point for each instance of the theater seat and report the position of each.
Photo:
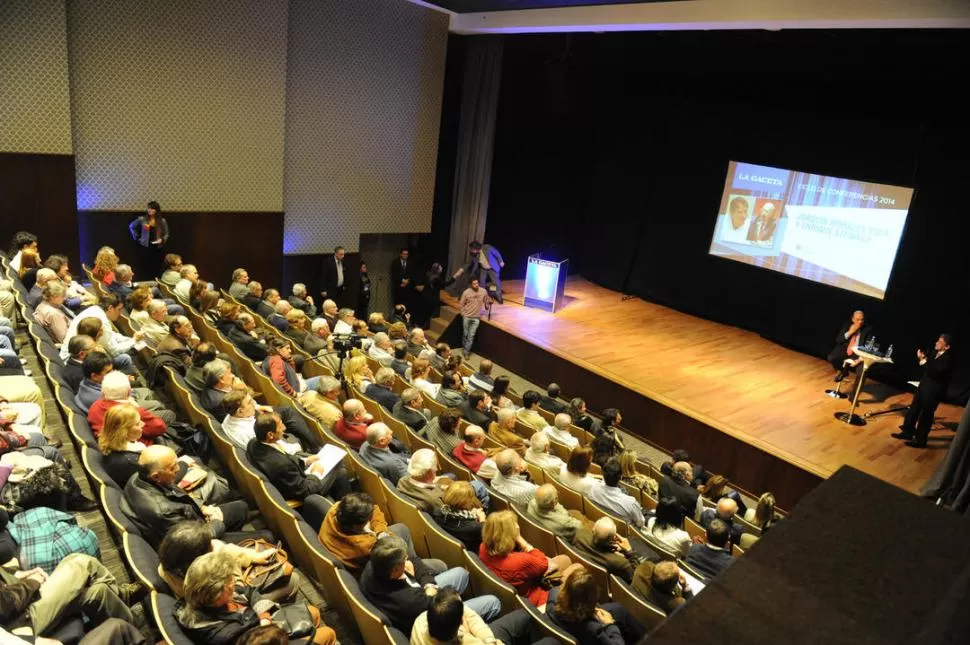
(163, 609)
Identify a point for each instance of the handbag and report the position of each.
(270, 575)
(295, 620)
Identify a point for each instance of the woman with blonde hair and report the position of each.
(420, 369)
(121, 441)
(138, 299)
(763, 516)
(575, 607)
(376, 323)
(397, 331)
(217, 609)
(357, 373)
(105, 263)
(461, 515)
(629, 474)
(517, 562)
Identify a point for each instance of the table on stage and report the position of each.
(868, 360)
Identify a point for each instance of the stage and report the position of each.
(742, 405)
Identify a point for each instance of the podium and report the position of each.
(868, 360)
(545, 283)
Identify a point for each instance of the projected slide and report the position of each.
(839, 232)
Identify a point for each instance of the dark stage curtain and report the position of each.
(476, 138)
(951, 481)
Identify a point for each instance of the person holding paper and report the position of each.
(295, 473)
(937, 368)
(853, 334)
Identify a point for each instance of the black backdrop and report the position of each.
(612, 149)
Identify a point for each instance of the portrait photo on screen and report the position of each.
(840, 232)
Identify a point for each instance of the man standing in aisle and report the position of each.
(471, 303)
(334, 276)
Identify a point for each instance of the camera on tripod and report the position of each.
(343, 343)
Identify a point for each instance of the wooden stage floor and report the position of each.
(733, 380)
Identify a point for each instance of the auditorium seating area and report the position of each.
(297, 522)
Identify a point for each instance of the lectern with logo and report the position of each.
(545, 283)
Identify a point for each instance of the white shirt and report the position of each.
(342, 328)
(727, 232)
(182, 288)
(380, 355)
(340, 273)
(517, 490)
(677, 539)
(543, 460)
(426, 386)
(111, 340)
(240, 432)
(562, 436)
(15, 262)
(580, 484)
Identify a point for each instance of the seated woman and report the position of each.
(216, 610)
(50, 312)
(280, 367)
(667, 527)
(629, 474)
(574, 473)
(420, 369)
(136, 303)
(763, 516)
(607, 443)
(120, 442)
(575, 607)
(30, 263)
(209, 306)
(198, 289)
(462, 515)
(105, 263)
(188, 540)
(499, 389)
(515, 561)
(581, 418)
(358, 373)
(715, 489)
(172, 264)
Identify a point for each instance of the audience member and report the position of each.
(713, 557)
(628, 467)
(662, 584)
(476, 409)
(538, 453)
(482, 379)
(324, 402)
(381, 389)
(575, 607)
(442, 431)
(449, 620)
(352, 427)
(667, 527)
(559, 431)
(603, 546)
(550, 401)
(461, 514)
(545, 510)
(575, 472)
(471, 454)
(509, 481)
(502, 430)
(677, 484)
(409, 410)
(529, 412)
(608, 495)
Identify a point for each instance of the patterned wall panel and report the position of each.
(179, 100)
(364, 84)
(35, 110)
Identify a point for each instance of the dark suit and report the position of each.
(277, 321)
(265, 309)
(551, 405)
(841, 351)
(286, 472)
(735, 529)
(402, 271)
(383, 395)
(708, 561)
(399, 601)
(685, 494)
(931, 390)
(616, 563)
(400, 366)
(329, 281)
(303, 305)
(252, 302)
(411, 418)
(475, 416)
(248, 345)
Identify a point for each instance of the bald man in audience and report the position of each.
(559, 431)
(377, 453)
(726, 511)
(509, 480)
(538, 453)
(603, 546)
(153, 501)
(546, 511)
(352, 427)
(471, 454)
(677, 485)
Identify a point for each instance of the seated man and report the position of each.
(267, 306)
(78, 347)
(352, 427)
(219, 381)
(470, 453)
(448, 620)
(95, 367)
(509, 482)
(18, 390)
(399, 363)
(603, 546)
(550, 402)
(381, 389)
(482, 379)
(381, 350)
(677, 485)
(712, 558)
(318, 343)
(240, 421)
(154, 503)
(295, 473)
(476, 409)
(417, 342)
(203, 354)
(503, 431)
(608, 495)
(243, 335)
(452, 392)
(239, 288)
(78, 586)
(278, 318)
(439, 359)
(663, 585)
(403, 588)
(529, 412)
(122, 286)
(301, 300)
(324, 402)
(377, 453)
(188, 274)
(345, 322)
(254, 297)
(296, 327)
(425, 488)
(727, 510)
(352, 527)
(559, 431)
(538, 453)
(117, 345)
(36, 293)
(545, 510)
(115, 389)
(853, 335)
(154, 329)
(410, 410)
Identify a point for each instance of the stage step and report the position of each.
(441, 322)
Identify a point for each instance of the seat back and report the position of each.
(538, 536)
(536, 474)
(545, 626)
(371, 622)
(560, 450)
(642, 611)
(694, 529)
(662, 549)
(601, 575)
(324, 566)
(404, 512)
(483, 581)
(441, 544)
(452, 465)
(594, 511)
(370, 482)
(568, 497)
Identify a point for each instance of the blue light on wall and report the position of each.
(87, 197)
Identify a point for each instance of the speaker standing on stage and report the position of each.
(937, 367)
(485, 264)
(853, 334)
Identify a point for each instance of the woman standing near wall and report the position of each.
(151, 232)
